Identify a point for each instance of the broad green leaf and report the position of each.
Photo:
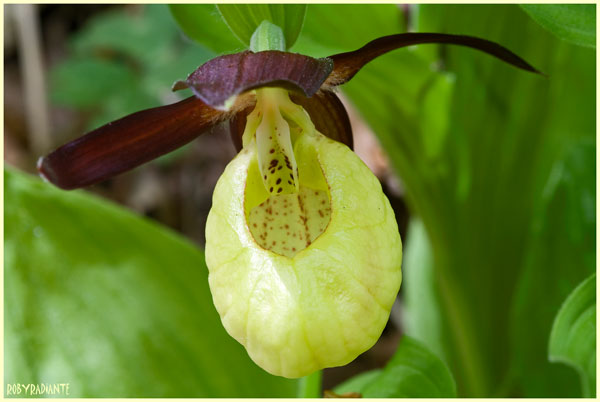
(573, 336)
(509, 129)
(337, 28)
(203, 24)
(421, 314)
(243, 19)
(413, 372)
(112, 304)
(358, 382)
(479, 198)
(575, 23)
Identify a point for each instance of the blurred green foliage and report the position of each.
(498, 167)
(121, 63)
(113, 304)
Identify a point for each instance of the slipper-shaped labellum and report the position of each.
(302, 245)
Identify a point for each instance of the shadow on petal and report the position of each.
(326, 111)
(328, 114)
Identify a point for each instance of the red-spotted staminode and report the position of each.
(303, 249)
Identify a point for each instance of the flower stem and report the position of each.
(310, 386)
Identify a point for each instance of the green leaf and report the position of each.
(479, 194)
(358, 382)
(413, 372)
(421, 316)
(243, 19)
(561, 254)
(336, 28)
(112, 304)
(434, 113)
(203, 23)
(573, 336)
(575, 23)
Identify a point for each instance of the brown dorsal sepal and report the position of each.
(218, 80)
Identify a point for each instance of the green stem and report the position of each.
(310, 386)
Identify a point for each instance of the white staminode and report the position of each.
(293, 212)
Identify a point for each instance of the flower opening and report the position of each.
(287, 206)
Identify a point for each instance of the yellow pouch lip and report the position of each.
(289, 312)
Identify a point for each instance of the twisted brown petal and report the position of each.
(326, 111)
(346, 65)
(235, 126)
(126, 143)
(328, 115)
(219, 79)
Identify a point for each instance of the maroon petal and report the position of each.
(346, 65)
(126, 143)
(223, 77)
(236, 126)
(326, 111)
(328, 115)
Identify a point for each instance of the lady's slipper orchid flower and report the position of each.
(302, 247)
